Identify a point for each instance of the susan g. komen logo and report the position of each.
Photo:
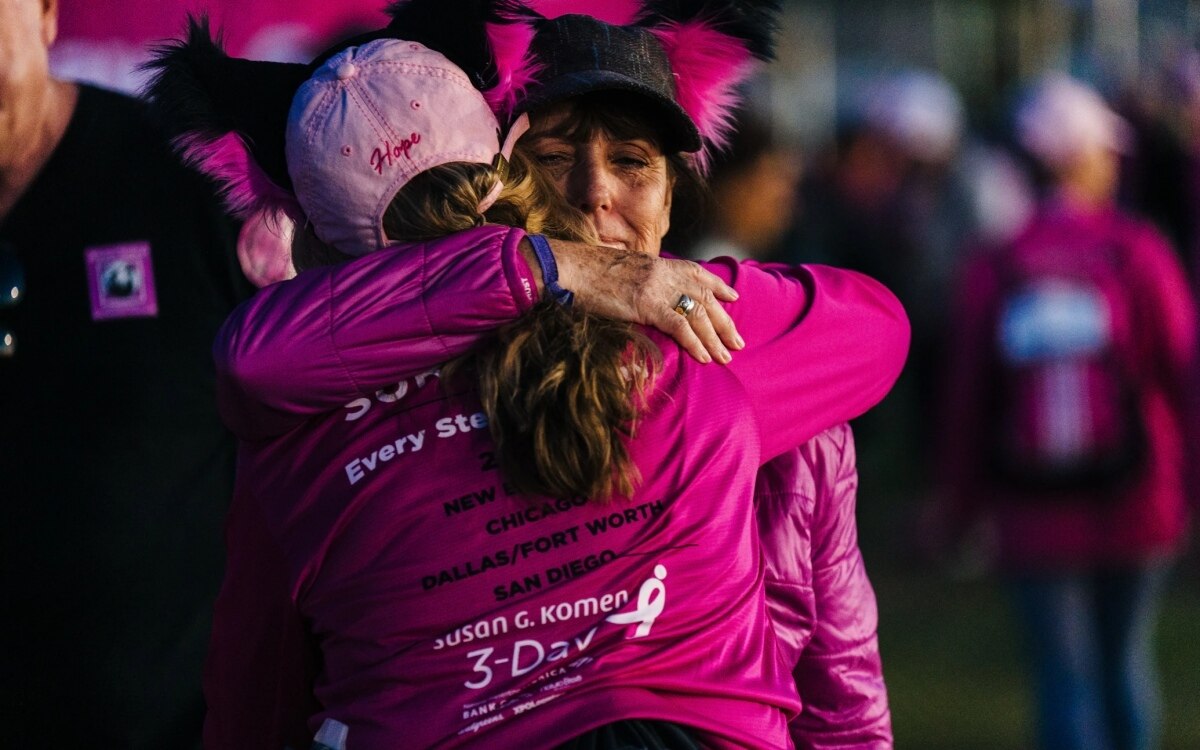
(651, 599)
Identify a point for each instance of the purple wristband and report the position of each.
(541, 248)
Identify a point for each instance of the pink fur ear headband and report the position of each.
(230, 115)
(709, 66)
(687, 58)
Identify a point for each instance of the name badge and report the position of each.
(121, 281)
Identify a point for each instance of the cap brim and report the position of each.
(678, 131)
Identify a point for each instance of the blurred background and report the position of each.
(879, 140)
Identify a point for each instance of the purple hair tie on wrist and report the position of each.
(541, 248)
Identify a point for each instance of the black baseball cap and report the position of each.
(579, 54)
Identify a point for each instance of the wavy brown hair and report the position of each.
(562, 388)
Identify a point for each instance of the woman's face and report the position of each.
(622, 185)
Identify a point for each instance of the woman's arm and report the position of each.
(332, 335)
(310, 345)
(640, 288)
(314, 344)
(1168, 325)
(823, 345)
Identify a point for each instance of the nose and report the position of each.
(590, 186)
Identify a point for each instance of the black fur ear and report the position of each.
(453, 27)
(754, 22)
(197, 89)
(513, 11)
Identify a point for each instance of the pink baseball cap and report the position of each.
(369, 120)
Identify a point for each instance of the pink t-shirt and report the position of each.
(420, 602)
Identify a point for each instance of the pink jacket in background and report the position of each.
(1151, 517)
(379, 571)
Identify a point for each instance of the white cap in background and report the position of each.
(920, 111)
(1062, 118)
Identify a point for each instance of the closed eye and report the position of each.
(631, 155)
(552, 159)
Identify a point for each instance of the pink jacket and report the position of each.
(819, 597)
(346, 598)
(1150, 518)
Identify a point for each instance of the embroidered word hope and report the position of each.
(386, 154)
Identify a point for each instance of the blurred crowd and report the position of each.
(912, 186)
(1042, 429)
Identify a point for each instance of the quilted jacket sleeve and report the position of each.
(310, 345)
(332, 335)
(839, 675)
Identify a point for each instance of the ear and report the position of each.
(665, 217)
(49, 21)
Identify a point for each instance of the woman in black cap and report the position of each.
(622, 121)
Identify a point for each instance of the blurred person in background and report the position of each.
(888, 200)
(753, 185)
(884, 202)
(117, 268)
(1064, 424)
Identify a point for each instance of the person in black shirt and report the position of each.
(117, 268)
